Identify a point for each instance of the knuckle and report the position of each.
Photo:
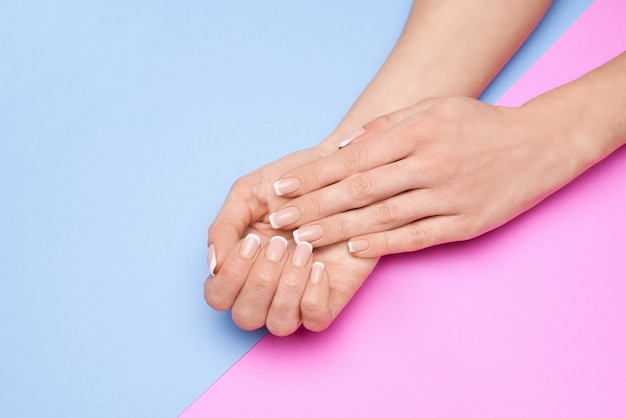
(289, 289)
(340, 226)
(386, 213)
(361, 187)
(263, 283)
(416, 237)
(352, 159)
(315, 205)
(315, 176)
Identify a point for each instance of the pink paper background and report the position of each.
(529, 320)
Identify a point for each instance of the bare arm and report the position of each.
(451, 47)
(457, 167)
(447, 48)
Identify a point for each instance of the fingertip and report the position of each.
(356, 246)
(273, 221)
(250, 244)
(350, 137)
(317, 272)
(286, 186)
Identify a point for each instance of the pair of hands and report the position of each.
(442, 170)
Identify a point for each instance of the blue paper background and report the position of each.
(122, 127)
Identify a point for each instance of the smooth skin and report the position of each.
(435, 56)
(451, 169)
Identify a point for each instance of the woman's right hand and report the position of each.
(443, 170)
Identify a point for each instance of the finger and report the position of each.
(237, 213)
(352, 159)
(221, 290)
(385, 215)
(415, 236)
(283, 317)
(353, 192)
(252, 303)
(315, 307)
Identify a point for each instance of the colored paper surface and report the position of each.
(528, 320)
(122, 126)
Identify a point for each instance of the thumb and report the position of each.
(230, 224)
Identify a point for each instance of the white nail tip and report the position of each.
(254, 237)
(274, 225)
(296, 238)
(345, 142)
(276, 190)
(308, 244)
(316, 272)
(283, 239)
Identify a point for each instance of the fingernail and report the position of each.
(351, 136)
(276, 248)
(358, 245)
(301, 254)
(284, 217)
(250, 245)
(308, 233)
(316, 272)
(286, 186)
(212, 260)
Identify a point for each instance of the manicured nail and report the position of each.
(358, 245)
(316, 272)
(308, 233)
(250, 245)
(286, 186)
(351, 136)
(212, 260)
(276, 248)
(284, 217)
(301, 254)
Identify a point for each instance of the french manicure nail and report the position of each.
(276, 248)
(316, 272)
(286, 186)
(250, 245)
(308, 233)
(301, 254)
(351, 136)
(284, 217)
(212, 260)
(358, 245)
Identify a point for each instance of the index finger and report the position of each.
(385, 140)
(238, 212)
(361, 156)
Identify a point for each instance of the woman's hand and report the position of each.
(443, 170)
(261, 274)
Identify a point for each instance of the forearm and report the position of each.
(585, 119)
(447, 48)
